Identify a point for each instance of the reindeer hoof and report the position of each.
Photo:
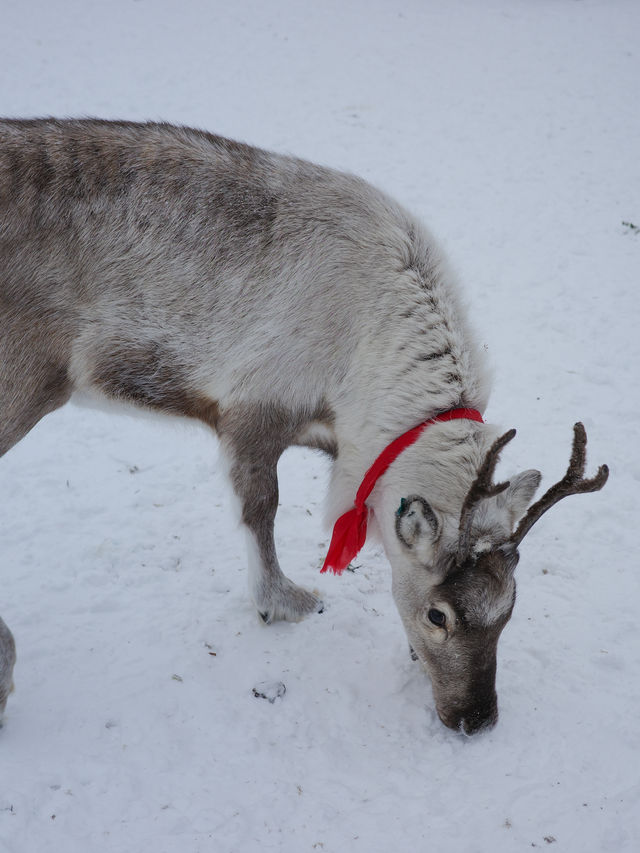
(288, 602)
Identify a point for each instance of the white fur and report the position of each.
(276, 301)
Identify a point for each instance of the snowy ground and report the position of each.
(512, 127)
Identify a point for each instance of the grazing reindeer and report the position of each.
(281, 304)
(7, 662)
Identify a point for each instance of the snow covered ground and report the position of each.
(512, 127)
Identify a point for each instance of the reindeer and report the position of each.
(280, 303)
(7, 662)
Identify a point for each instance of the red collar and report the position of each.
(350, 530)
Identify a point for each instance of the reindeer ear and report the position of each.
(517, 497)
(416, 522)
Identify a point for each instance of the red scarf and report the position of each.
(350, 530)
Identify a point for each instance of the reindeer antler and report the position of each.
(573, 483)
(481, 488)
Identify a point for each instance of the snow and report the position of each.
(511, 127)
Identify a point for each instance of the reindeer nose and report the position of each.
(471, 720)
(478, 721)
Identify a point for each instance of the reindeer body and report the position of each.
(193, 274)
(277, 301)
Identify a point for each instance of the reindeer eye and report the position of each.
(437, 617)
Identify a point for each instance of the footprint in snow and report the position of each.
(270, 690)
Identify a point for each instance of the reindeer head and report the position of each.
(454, 577)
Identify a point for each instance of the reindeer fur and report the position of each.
(277, 301)
(7, 662)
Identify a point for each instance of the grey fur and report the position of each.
(7, 663)
(280, 303)
(174, 269)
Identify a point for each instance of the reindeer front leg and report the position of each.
(253, 457)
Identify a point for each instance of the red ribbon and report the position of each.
(350, 530)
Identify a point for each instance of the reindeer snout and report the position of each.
(473, 719)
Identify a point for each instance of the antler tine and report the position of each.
(573, 483)
(481, 488)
